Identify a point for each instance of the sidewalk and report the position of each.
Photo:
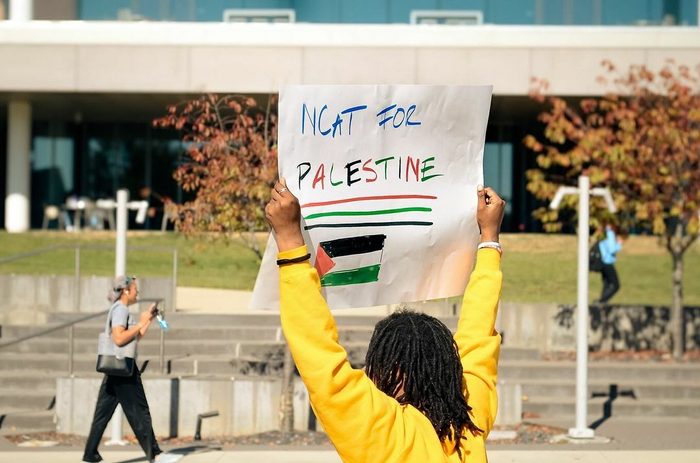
(327, 456)
(640, 440)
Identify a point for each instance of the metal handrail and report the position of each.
(71, 336)
(51, 330)
(71, 325)
(54, 247)
(36, 252)
(77, 248)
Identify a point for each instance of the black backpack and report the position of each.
(595, 259)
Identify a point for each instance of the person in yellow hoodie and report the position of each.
(424, 396)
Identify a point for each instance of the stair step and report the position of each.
(41, 399)
(641, 390)
(23, 379)
(620, 407)
(599, 371)
(176, 333)
(23, 420)
(55, 364)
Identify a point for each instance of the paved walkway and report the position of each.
(649, 440)
(326, 456)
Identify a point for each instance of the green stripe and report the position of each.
(377, 212)
(351, 277)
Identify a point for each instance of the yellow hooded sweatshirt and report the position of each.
(364, 424)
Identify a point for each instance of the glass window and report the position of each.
(688, 12)
(365, 11)
(552, 12)
(510, 12)
(399, 11)
(132, 156)
(102, 9)
(318, 11)
(52, 167)
(631, 12)
(586, 12)
(463, 4)
(498, 172)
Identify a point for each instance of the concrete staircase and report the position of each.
(233, 345)
(630, 389)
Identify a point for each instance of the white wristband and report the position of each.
(491, 244)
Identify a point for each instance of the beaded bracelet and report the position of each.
(295, 260)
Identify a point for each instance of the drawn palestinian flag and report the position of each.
(353, 260)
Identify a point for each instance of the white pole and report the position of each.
(21, 10)
(582, 431)
(119, 270)
(19, 138)
(122, 224)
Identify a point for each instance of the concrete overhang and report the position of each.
(187, 58)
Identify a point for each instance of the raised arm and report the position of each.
(344, 399)
(476, 337)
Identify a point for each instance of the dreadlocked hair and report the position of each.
(414, 358)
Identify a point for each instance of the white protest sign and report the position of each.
(386, 177)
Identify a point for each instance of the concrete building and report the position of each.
(81, 80)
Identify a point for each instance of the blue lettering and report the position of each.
(336, 127)
(409, 113)
(387, 118)
(305, 112)
(398, 117)
(350, 111)
(338, 124)
(403, 116)
(320, 115)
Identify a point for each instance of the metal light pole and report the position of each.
(119, 270)
(581, 430)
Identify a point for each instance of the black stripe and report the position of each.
(367, 224)
(353, 245)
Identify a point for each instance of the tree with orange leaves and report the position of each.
(642, 140)
(231, 166)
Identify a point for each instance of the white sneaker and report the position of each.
(168, 458)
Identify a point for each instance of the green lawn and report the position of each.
(537, 268)
(201, 262)
(542, 268)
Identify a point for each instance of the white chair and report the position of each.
(52, 212)
(107, 206)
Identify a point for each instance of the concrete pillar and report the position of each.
(21, 10)
(19, 133)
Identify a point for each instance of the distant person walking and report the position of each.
(609, 247)
(126, 391)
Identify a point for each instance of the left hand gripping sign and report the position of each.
(386, 177)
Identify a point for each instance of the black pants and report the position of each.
(611, 284)
(127, 392)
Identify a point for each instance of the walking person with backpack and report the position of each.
(607, 248)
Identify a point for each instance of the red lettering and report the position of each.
(411, 166)
(365, 168)
(320, 177)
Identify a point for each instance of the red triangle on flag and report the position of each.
(323, 262)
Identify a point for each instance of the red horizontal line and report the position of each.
(367, 198)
